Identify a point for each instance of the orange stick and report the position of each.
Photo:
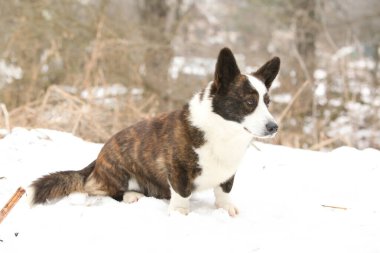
(11, 203)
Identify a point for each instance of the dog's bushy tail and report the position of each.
(57, 185)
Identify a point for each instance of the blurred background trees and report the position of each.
(93, 67)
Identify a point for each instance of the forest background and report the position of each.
(94, 67)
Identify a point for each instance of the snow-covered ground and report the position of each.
(279, 191)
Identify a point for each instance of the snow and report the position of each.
(9, 73)
(362, 64)
(355, 124)
(102, 92)
(343, 52)
(279, 191)
(282, 98)
(198, 66)
(107, 95)
(320, 74)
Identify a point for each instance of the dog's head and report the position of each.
(244, 98)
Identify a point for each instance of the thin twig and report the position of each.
(95, 54)
(291, 103)
(77, 121)
(324, 143)
(6, 117)
(255, 146)
(335, 207)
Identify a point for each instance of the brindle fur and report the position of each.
(155, 152)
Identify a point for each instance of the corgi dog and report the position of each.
(175, 154)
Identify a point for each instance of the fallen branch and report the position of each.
(335, 207)
(11, 203)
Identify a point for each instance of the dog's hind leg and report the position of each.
(134, 191)
(93, 187)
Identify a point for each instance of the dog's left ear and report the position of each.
(268, 72)
(226, 70)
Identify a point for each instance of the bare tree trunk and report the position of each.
(159, 22)
(306, 30)
(376, 59)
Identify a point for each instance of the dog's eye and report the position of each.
(266, 100)
(250, 102)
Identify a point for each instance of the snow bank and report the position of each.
(280, 192)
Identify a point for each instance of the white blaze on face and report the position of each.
(256, 122)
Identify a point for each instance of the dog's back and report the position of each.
(151, 153)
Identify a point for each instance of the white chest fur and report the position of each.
(225, 144)
(219, 160)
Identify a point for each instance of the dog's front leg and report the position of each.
(178, 203)
(222, 197)
(180, 189)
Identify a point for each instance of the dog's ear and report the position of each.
(268, 72)
(226, 70)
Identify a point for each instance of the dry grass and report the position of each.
(61, 110)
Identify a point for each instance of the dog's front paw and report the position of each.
(178, 204)
(173, 210)
(229, 207)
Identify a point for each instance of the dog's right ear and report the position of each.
(225, 71)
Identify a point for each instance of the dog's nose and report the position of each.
(271, 127)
